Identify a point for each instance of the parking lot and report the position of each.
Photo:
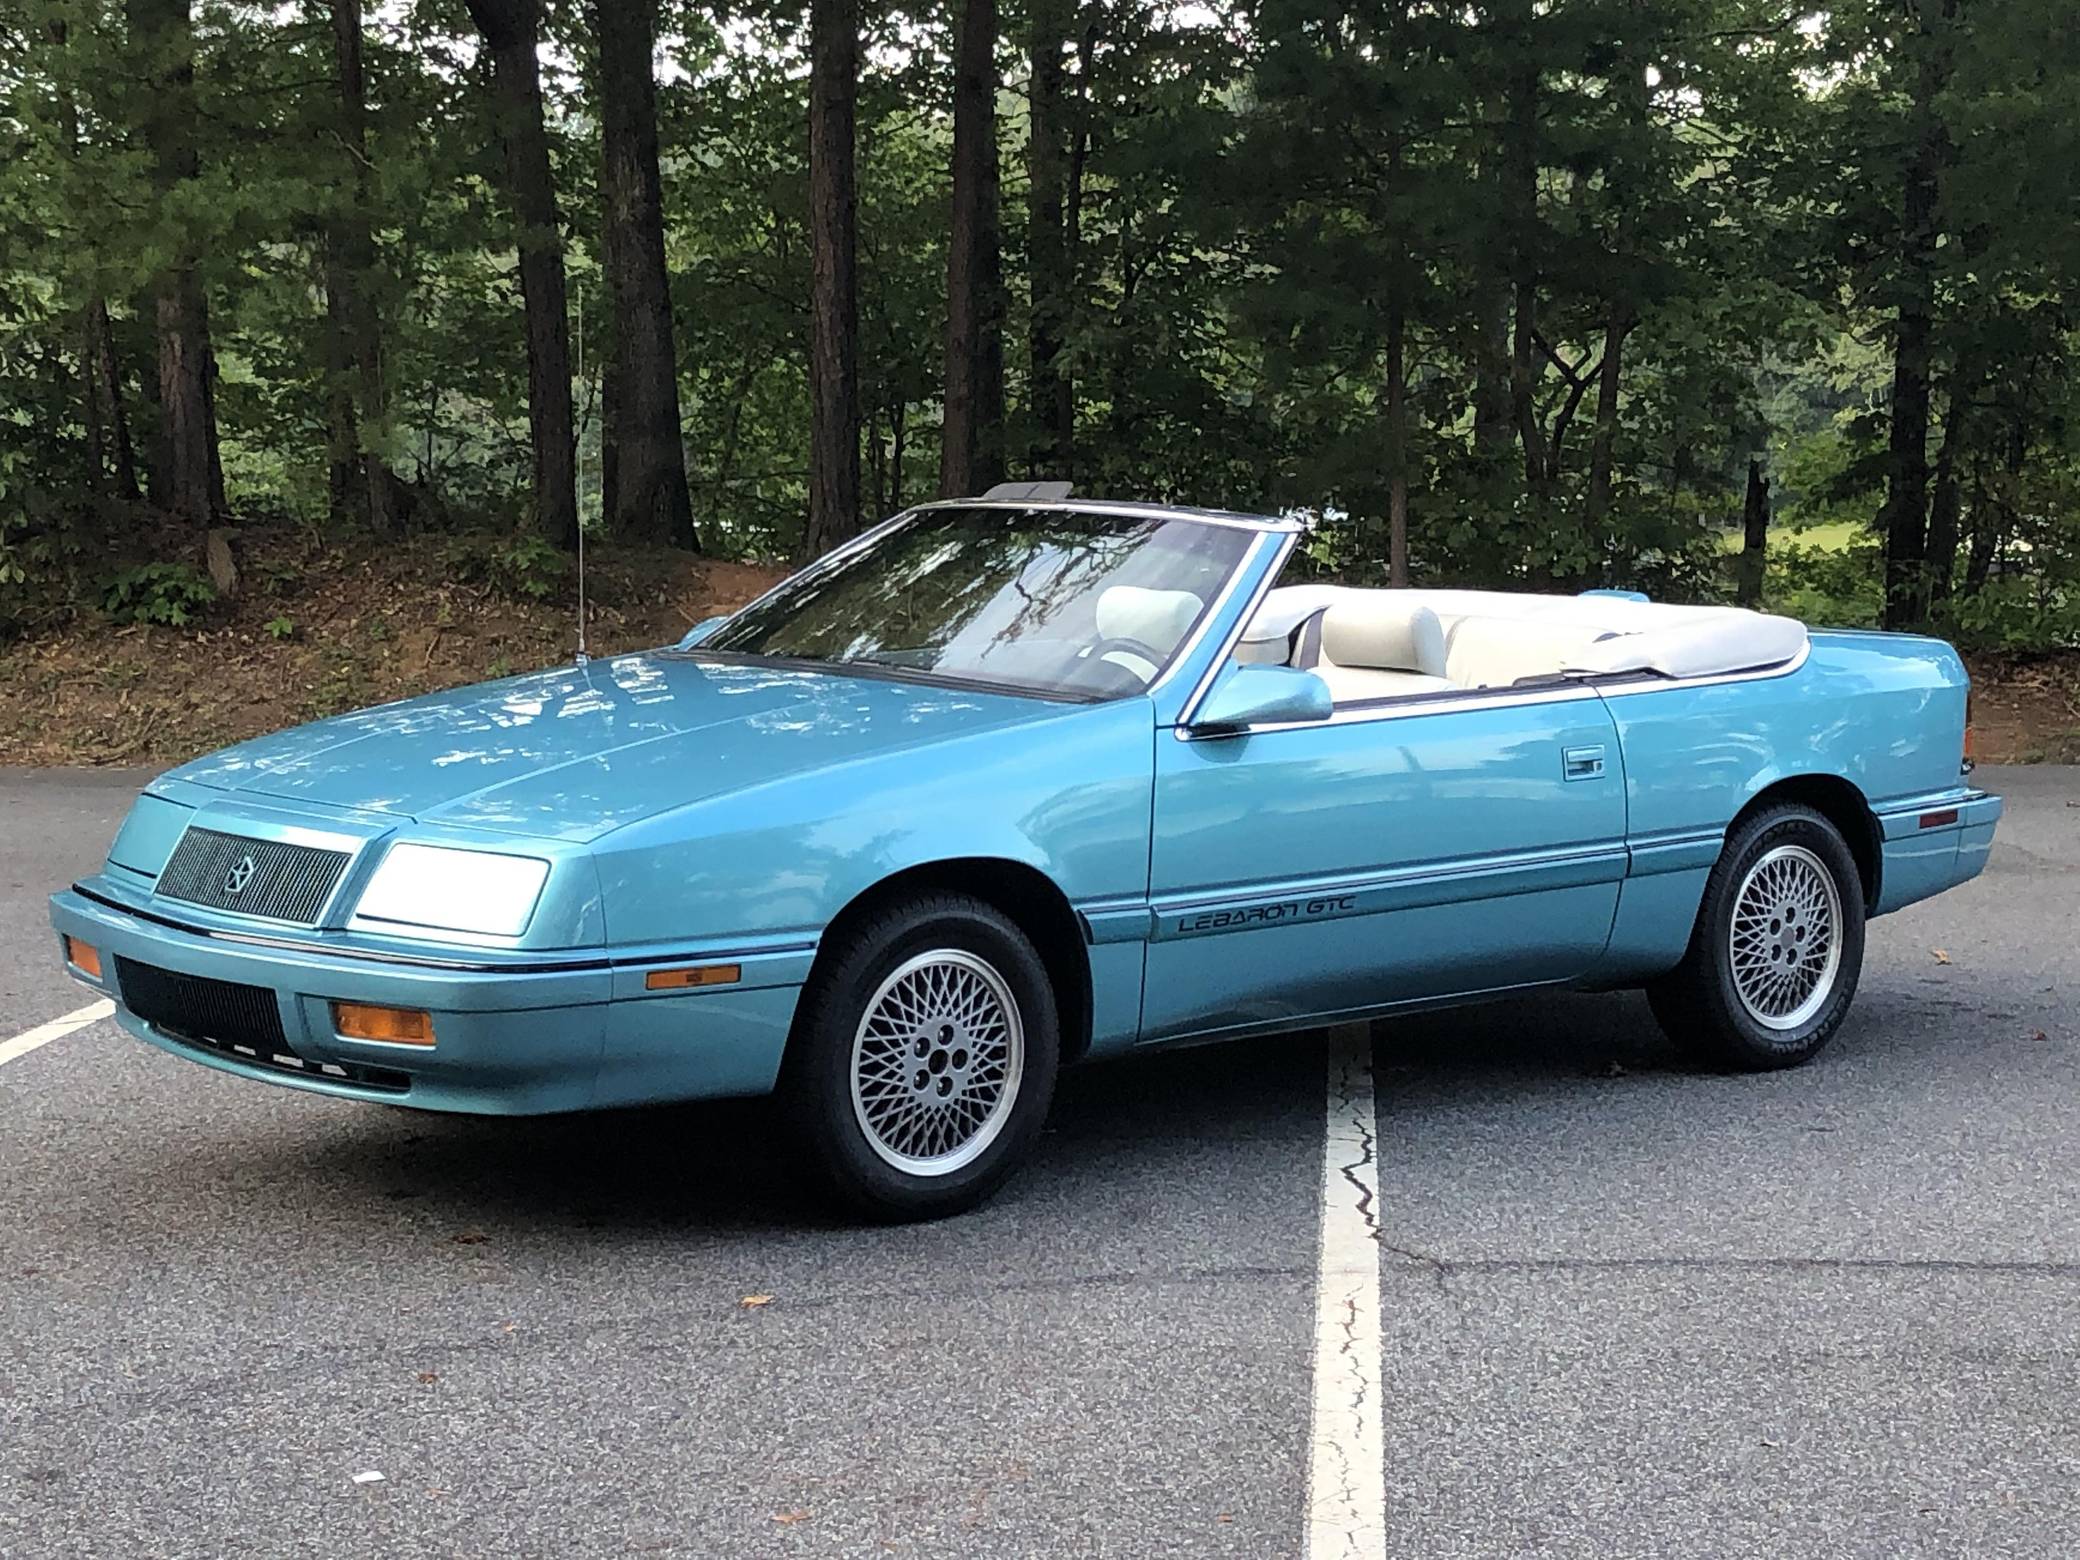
(1624, 1308)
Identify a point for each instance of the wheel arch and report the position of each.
(1841, 804)
(1025, 895)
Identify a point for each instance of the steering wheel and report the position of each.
(1143, 660)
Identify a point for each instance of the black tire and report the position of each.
(816, 1084)
(1700, 1005)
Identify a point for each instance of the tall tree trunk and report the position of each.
(1629, 82)
(511, 31)
(191, 473)
(1520, 195)
(1047, 244)
(1754, 537)
(1397, 429)
(1079, 149)
(351, 280)
(1946, 500)
(1903, 521)
(643, 456)
(108, 375)
(1603, 442)
(1492, 430)
(1399, 267)
(898, 435)
(971, 455)
(101, 383)
(345, 484)
(834, 417)
(1991, 519)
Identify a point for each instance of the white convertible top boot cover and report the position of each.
(1593, 634)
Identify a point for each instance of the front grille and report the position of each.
(202, 1009)
(270, 879)
(241, 1022)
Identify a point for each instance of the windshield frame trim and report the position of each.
(1092, 506)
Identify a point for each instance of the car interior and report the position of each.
(1369, 645)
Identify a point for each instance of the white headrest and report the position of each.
(1157, 618)
(1358, 630)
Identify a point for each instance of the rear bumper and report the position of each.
(523, 1040)
(1930, 843)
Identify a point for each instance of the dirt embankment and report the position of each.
(315, 630)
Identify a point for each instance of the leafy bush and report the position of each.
(173, 594)
(525, 568)
(2016, 613)
(1828, 587)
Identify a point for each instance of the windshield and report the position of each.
(1032, 600)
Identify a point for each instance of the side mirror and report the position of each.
(698, 632)
(1263, 695)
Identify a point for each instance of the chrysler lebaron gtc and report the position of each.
(1012, 782)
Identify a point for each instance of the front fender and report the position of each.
(1069, 796)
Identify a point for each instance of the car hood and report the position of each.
(580, 750)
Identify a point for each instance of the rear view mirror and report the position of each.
(1261, 696)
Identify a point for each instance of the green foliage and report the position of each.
(171, 594)
(2017, 613)
(524, 568)
(279, 627)
(1272, 192)
(1829, 587)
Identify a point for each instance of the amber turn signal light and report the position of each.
(84, 957)
(685, 979)
(398, 1026)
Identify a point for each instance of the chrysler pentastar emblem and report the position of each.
(238, 877)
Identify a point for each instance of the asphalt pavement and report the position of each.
(1627, 1309)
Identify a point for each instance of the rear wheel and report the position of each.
(922, 1062)
(1778, 946)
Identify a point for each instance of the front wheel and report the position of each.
(1778, 946)
(923, 1059)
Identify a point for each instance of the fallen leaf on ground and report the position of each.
(1941, 956)
(429, 1376)
(790, 1518)
(753, 1302)
(2038, 1034)
(470, 1238)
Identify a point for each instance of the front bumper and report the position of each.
(523, 1035)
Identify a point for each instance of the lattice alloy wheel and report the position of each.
(938, 1059)
(1784, 942)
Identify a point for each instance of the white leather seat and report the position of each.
(1158, 619)
(1375, 646)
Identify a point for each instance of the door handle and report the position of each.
(1581, 763)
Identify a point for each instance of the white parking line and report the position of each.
(1346, 1467)
(56, 1029)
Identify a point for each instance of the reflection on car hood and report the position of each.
(576, 751)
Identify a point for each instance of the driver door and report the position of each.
(1432, 848)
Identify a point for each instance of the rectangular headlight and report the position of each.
(438, 888)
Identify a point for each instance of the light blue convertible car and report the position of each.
(1016, 781)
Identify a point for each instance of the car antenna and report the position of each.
(578, 483)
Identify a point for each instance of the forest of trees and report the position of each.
(1728, 298)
